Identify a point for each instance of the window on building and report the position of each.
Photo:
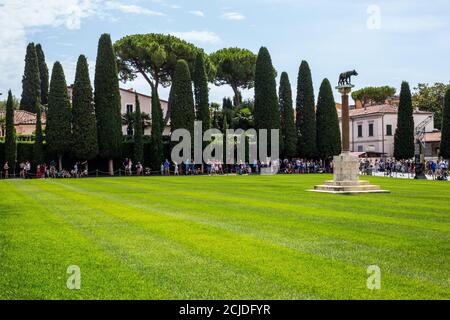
(360, 149)
(389, 130)
(360, 129)
(370, 129)
(129, 108)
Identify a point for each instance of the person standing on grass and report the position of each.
(166, 168)
(22, 170)
(125, 165)
(27, 170)
(139, 169)
(176, 171)
(6, 169)
(130, 167)
(433, 170)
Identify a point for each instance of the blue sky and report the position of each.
(386, 41)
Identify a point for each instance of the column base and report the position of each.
(346, 178)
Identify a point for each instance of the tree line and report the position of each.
(91, 125)
(88, 127)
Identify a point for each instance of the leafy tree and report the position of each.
(306, 117)
(288, 131)
(128, 120)
(430, 98)
(2, 122)
(43, 73)
(328, 132)
(154, 57)
(157, 130)
(215, 112)
(10, 134)
(107, 102)
(84, 126)
(38, 147)
(404, 135)
(267, 110)
(138, 146)
(227, 109)
(225, 127)
(243, 117)
(236, 68)
(31, 82)
(15, 101)
(445, 139)
(58, 126)
(370, 95)
(201, 92)
(183, 114)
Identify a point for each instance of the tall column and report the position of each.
(345, 122)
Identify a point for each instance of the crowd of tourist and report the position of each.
(46, 171)
(436, 170)
(286, 166)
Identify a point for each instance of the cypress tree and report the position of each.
(10, 134)
(107, 102)
(38, 147)
(404, 135)
(43, 73)
(31, 83)
(138, 146)
(328, 132)
(201, 92)
(225, 127)
(84, 126)
(306, 117)
(182, 101)
(58, 126)
(227, 109)
(157, 129)
(445, 139)
(267, 111)
(288, 131)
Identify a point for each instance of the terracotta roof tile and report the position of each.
(382, 108)
(24, 117)
(432, 136)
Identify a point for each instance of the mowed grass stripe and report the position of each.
(176, 267)
(125, 192)
(390, 251)
(365, 206)
(37, 246)
(293, 249)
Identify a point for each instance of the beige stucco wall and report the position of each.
(380, 122)
(127, 97)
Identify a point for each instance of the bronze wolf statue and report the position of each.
(346, 77)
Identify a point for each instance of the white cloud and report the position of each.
(414, 24)
(198, 36)
(197, 13)
(131, 8)
(233, 16)
(17, 18)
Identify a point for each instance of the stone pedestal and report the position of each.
(345, 166)
(346, 178)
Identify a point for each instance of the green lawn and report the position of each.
(248, 237)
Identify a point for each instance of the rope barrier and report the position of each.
(149, 172)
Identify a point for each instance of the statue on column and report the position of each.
(346, 77)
